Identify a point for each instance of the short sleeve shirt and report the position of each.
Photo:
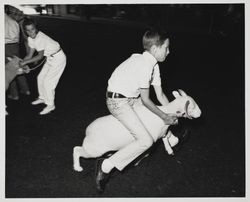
(44, 42)
(138, 71)
(12, 30)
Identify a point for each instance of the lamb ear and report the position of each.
(186, 110)
(176, 94)
(182, 92)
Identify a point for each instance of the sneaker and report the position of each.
(47, 109)
(37, 101)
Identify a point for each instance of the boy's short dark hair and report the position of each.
(154, 37)
(28, 21)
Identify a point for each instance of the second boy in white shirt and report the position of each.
(53, 68)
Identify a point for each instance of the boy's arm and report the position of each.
(29, 54)
(29, 59)
(162, 98)
(169, 119)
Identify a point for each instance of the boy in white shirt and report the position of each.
(130, 81)
(53, 68)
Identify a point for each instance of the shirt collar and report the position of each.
(150, 57)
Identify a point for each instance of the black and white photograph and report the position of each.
(137, 100)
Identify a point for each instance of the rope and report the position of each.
(38, 65)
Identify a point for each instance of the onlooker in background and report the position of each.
(19, 16)
(12, 48)
(12, 69)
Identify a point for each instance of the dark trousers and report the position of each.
(20, 82)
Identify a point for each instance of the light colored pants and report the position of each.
(123, 110)
(49, 76)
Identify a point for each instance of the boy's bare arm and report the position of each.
(169, 119)
(162, 98)
(29, 54)
(29, 59)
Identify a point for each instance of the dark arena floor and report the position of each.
(210, 68)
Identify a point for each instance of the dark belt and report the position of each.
(56, 52)
(114, 95)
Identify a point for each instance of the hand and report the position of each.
(20, 71)
(170, 119)
(26, 69)
(22, 63)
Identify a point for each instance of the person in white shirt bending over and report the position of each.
(128, 86)
(53, 68)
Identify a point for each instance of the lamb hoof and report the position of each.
(184, 137)
(78, 168)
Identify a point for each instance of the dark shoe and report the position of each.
(101, 177)
(183, 137)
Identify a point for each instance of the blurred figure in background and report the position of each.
(12, 48)
(19, 16)
(13, 69)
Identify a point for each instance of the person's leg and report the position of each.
(40, 81)
(13, 91)
(51, 79)
(124, 112)
(57, 66)
(23, 84)
(40, 85)
(10, 51)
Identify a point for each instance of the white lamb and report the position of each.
(107, 134)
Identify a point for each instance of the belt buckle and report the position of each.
(113, 95)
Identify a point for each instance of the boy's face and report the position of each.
(31, 30)
(162, 51)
